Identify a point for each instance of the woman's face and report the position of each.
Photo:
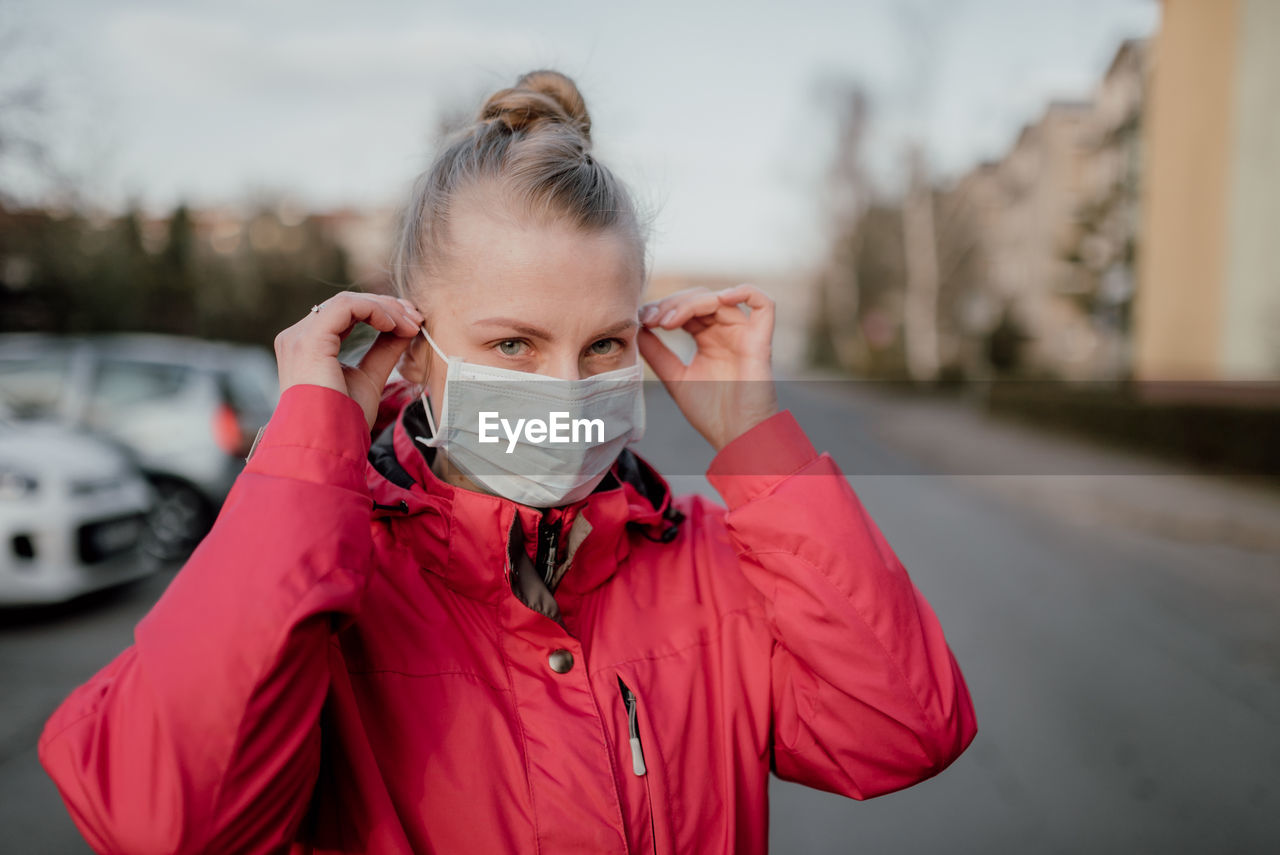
(548, 300)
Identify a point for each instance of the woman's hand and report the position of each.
(307, 352)
(732, 361)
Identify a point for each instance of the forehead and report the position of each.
(500, 265)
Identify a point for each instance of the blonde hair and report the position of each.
(529, 148)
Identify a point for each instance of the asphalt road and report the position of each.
(1127, 684)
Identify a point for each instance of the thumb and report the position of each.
(661, 358)
(382, 356)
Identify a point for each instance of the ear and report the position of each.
(415, 362)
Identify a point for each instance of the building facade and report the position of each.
(1208, 298)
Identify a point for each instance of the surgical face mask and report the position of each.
(537, 440)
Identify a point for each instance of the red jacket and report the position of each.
(342, 665)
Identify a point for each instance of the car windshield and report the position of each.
(32, 386)
(122, 385)
(250, 386)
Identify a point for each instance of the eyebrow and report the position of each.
(621, 326)
(535, 332)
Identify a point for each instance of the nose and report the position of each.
(563, 366)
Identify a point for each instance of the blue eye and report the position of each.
(610, 346)
(510, 346)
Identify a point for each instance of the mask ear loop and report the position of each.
(426, 405)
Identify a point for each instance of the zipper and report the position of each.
(633, 730)
(548, 543)
(402, 506)
(637, 755)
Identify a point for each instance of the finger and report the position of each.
(709, 311)
(650, 313)
(413, 314)
(746, 293)
(761, 305)
(693, 326)
(355, 372)
(381, 357)
(661, 358)
(406, 317)
(723, 316)
(341, 315)
(674, 313)
(342, 311)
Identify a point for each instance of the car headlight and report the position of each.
(15, 484)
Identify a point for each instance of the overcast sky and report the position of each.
(708, 109)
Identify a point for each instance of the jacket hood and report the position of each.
(474, 530)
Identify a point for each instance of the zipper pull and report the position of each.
(637, 754)
(402, 506)
(548, 542)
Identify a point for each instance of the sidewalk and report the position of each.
(1089, 483)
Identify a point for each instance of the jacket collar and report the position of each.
(465, 536)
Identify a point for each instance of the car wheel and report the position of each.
(180, 519)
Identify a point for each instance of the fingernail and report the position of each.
(667, 318)
(647, 313)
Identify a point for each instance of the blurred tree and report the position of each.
(881, 274)
(40, 265)
(23, 102)
(833, 327)
(870, 262)
(73, 273)
(920, 251)
(171, 303)
(1005, 345)
(119, 292)
(922, 25)
(962, 288)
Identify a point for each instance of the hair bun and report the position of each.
(539, 97)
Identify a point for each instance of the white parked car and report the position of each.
(186, 408)
(72, 513)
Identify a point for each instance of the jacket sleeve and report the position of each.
(867, 697)
(203, 735)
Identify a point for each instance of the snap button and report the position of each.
(560, 661)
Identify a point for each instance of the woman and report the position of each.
(399, 639)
